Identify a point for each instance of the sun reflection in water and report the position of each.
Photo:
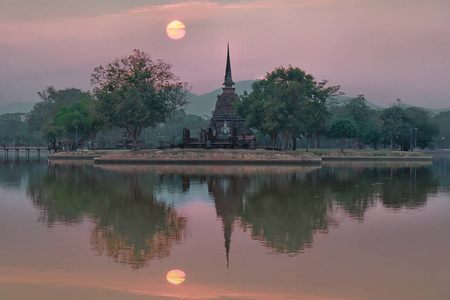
(176, 276)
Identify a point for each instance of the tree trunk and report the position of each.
(294, 144)
(135, 134)
(88, 137)
(285, 139)
(342, 145)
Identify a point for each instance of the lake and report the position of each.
(337, 231)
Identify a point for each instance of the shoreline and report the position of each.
(125, 161)
(236, 157)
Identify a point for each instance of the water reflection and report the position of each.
(228, 193)
(19, 174)
(282, 207)
(131, 225)
(358, 186)
(284, 212)
(357, 224)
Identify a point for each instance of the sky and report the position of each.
(384, 49)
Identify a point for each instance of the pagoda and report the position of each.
(226, 129)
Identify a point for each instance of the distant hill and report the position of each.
(341, 100)
(204, 104)
(433, 111)
(16, 107)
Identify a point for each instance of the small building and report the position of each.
(226, 129)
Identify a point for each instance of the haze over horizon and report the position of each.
(384, 49)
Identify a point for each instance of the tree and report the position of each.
(76, 120)
(14, 129)
(135, 92)
(364, 117)
(422, 126)
(42, 114)
(395, 127)
(343, 129)
(401, 126)
(288, 102)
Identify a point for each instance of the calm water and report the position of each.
(340, 231)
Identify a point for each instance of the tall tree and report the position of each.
(288, 102)
(136, 92)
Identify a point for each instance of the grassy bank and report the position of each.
(237, 156)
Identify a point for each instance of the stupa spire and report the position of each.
(228, 80)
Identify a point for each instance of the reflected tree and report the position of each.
(131, 225)
(407, 187)
(134, 227)
(18, 174)
(353, 188)
(62, 194)
(286, 211)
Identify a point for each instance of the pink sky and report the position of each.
(384, 49)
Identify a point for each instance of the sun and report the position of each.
(176, 30)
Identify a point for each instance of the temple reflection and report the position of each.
(228, 193)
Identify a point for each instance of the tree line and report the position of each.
(288, 105)
(138, 101)
(131, 95)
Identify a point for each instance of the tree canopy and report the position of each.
(366, 119)
(13, 129)
(41, 116)
(425, 128)
(77, 120)
(288, 102)
(136, 92)
(406, 126)
(52, 100)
